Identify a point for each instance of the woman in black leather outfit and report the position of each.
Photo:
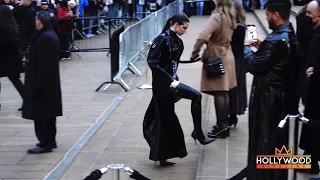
(161, 127)
(10, 57)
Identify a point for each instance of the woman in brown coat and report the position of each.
(217, 36)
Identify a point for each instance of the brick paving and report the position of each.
(81, 107)
(120, 138)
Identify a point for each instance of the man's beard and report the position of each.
(272, 24)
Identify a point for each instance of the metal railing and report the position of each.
(99, 43)
(133, 46)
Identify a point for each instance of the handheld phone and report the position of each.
(252, 32)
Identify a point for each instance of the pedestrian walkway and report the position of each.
(120, 139)
(82, 106)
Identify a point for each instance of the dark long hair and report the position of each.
(8, 22)
(3, 3)
(177, 18)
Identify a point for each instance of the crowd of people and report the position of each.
(284, 66)
(24, 13)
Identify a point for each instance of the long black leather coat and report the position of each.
(273, 95)
(161, 127)
(310, 134)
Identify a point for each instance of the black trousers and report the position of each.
(45, 131)
(64, 45)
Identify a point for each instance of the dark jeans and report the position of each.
(45, 131)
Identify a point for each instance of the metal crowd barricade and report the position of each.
(100, 42)
(134, 38)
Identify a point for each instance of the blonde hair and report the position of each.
(240, 13)
(226, 7)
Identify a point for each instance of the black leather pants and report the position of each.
(187, 92)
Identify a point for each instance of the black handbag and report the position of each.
(214, 68)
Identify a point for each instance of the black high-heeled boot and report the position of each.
(196, 135)
(196, 112)
(233, 120)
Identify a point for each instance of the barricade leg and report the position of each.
(134, 69)
(109, 83)
(145, 86)
(116, 170)
(292, 143)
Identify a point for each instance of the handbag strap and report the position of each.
(221, 24)
(220, 32)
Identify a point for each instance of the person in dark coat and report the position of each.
(238, 95)
(25, 15)
(42, 84)
(45, 6)
(304, 33)
(309, 141)
(161, 127)
(10, 57)
(313, 125)
(273, 94)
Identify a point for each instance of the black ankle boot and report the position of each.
(233, 120)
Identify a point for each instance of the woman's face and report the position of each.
(180, 29)
(7, 1)
(71, 5)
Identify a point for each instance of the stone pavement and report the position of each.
(120, 139)
(81, 107)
